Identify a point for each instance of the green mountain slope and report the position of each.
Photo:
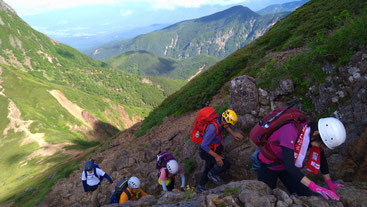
(331, 30)
(145, 63)
(217, 35)
(286, 7)
(56, 103)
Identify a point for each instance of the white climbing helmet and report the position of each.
(332, 132)
(172, 166)
(133, 182)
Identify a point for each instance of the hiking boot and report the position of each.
(214, 178)
(200, 188)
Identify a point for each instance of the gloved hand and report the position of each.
(323, 191)
(332, 186)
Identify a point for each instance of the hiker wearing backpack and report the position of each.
(126, 190)
(284, 142)
(208, 132)
(168, 169)
(92, 177)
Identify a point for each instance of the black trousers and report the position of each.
(270, 177)
(210, 164)
(171, 186)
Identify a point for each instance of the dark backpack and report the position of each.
(206, 116)
(270, 123)
(95, 166)
(120, 187)
(162, 160)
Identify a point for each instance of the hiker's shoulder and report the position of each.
(100, 171)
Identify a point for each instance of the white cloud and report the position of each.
(171, 4)
(125, 13)
(63, 22)
(27, 7)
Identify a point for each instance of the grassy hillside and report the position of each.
(330, 30)
(38, 131)
(145, 63)
(217, 35)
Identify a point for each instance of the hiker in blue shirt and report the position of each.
(211, 148)
(92, 177)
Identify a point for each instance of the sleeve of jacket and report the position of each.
(108, 178)
(324, 167)
(84, 185)
(84, 181)
(208, 137)
(288, 159)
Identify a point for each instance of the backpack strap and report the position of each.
(127, 193)
(214, 146)
(95, 173)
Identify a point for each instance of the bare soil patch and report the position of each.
(196, 74)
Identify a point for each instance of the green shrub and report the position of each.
(231, 191)
(189, 165)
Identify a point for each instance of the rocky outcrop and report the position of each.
(246, 193)
(342, 95)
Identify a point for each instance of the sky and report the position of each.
(27, 7)
(86, 23)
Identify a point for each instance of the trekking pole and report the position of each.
(266, 125)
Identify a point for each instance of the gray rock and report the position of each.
(263, 97)
(281, 204)
(230, 201)
(296, 200)
(328, 67)
(122, 160)
(272, 199)
(286, 86)
(253, 198)
(243, 88)
(152, 150)
(246, 121)
(282, 196)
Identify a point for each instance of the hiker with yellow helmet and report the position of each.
(211, 140)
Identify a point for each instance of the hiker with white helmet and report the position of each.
(168, 168)
(92, 177)
(208, 132)
(284, 142)
(131, 191)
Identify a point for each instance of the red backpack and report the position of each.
(270, 123)
(206, 116)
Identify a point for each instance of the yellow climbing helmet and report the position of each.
(230, 117)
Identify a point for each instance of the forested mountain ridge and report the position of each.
(286, 7)
(217, 35)
(145, 63)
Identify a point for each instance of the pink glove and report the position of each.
(323, 191)
(333, 186)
